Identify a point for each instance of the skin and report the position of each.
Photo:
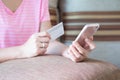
(34, 45)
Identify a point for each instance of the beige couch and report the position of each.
(55, 67)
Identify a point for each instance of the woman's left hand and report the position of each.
(78, 53)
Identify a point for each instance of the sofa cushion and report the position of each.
(53, 67)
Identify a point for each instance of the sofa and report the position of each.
(56, 67)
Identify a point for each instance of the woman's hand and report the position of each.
(36, 45)
(78, 53)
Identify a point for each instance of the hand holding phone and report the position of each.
(87, 31)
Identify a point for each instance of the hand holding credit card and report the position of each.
(56, 31)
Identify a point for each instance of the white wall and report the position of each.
(90, 5)
(107, 51)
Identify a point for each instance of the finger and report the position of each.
(90, 44)
(42, 45)
(86, 46)
(45, 34)
(41, 51)
(74, 58)
(43, 39)
(78, 56)
(80, 49)
(71, 55)
(91, 38)
(75, 51)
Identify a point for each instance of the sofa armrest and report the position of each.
(53, 67)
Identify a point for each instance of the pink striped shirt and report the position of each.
(16, 27)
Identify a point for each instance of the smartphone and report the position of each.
(87, 31)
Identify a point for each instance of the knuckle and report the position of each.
(48, 39)
(79, 56)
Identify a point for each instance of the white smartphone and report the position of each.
(87, 31)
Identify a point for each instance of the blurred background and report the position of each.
(76, 13)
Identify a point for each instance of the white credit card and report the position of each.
(56, 31)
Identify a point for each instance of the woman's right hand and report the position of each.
(36, 45)
(78, 53)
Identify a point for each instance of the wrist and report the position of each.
(65, 53)
(20, 52)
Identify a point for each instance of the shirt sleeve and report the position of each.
(44, 11)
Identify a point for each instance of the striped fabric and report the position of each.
(109, 21)
(53, 4)
(53, 16)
